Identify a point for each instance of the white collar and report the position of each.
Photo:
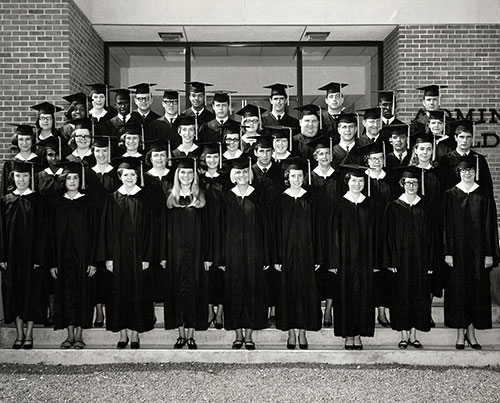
(247, 140)
(197, 112)
(44, 138)
(26, 192)
(442, 138)
(372, 138)
(248, 192)
(49, 171)
(77, 196)
(461, 153)
(126, 117)
(143, 115)
(171, 119)
(87, 154)
(403, 154)
(319, 172)
(426, 168)
(96, 169)
(344, 145)
(216, 175)
(92, 112)
(462, 187)
(193, 147)
(388, 121)
(153, 172)
(136, 189)
(350, 197)
(370, 173)
(228, 156)
(302, 192)
(266, 168)
(404, 199)
(281, 159)
(136, 155)
(21, 158)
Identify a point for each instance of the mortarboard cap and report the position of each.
(278, 89)
(122, 92)
(170, 94)
(371, 113)
(82, 123)
(422, 138)
(459, 126)
(184, 162)
(49, 143)
(79, 97)
(439, 115)
(103, 141)
(99, 88)
(156, 146)
(355, 170)
(263, 141)
(333, 87)
(394, 130)
(221, 96)
(410, 171)
(22, 129)
(385, 95)
(251, 110)
(186, 120)
(46, 108)
(22, 166)
(466, 162)
(431, 90)
(142, 88)
(319, 142)
(309, 109)
(347, 118)
(242, 162)
(368, 149)
(128, 163)
(197, 86)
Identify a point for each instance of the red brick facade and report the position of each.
(45, 52)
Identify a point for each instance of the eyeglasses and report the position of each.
(82, 137)
(468, 170)
(251, 120)
(45, 118)
(232, 140)
(142, 99)
(170, 102)
(411, 184)
(376, 159)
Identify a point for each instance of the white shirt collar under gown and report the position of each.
(51, 173)
(371, 174)
(404, 199)
(21, 158)
(247, 193)
(123, 190)
(26, 192)
(215, 175)
(228, 156)
(87, 154)
(462, 187)
(289, 192)
(349, 196)
(77, 196)
(98, 117)
(136, 155)
(154, 173)
(96, 169)
(319, 172)
(287, 154)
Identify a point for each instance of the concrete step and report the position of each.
(336, 356)
(439, 337)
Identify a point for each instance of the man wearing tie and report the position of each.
(278, 115)
(372, 125)
(165, 127)
(143, 99)
(213, 131)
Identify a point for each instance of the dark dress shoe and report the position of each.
(135, 345)
(181, 342)
(18, 344)
(191, 344)
(249, 345)
(327, 323)
(348, 346)
(98, 323)
(237, 344)
(475, 346)
(416, 344)
(460, 346)
(122, 344)
(290, 346)
(358, 346)
(403, 344)
(219, 325)
(304, 346)
(28, 344)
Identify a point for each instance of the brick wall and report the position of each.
(465, 58)
(45, 48)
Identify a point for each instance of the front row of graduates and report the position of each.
(264, 247)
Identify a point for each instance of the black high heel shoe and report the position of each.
(459, 346)
(181, 342)
(289, 345)
(191, 344)
(28, 344)
(475, 346)
(122, 344)
(303, 346)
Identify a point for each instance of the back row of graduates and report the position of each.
(325, 242)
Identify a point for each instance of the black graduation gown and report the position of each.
(268, 119)
(186, 286)
(7, 169)
(341, 156)
(301, 147)
(450, 177)
(191, 154)
(380, 195)
(204, 117)
(392, 162)
(408, 247)
(330, 126)
(125, 238)
(75, 227)
(145, 121)
(327, 192)
(211, 132)
(245, 254)
(470, 234)
(433, 198)
(214, 189)
(352, 252)
(161, 129)
(298, 304)
(49, 185)
(25, 240)
(157, 190)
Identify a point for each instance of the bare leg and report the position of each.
(292, 338)
(29, 330)
(460, 336)
(182, 332)
(134, 336)
(218, 318)
(211, 314)
(328, 312)
(71, 334)
(123, 335)
(248, 334)
(19, 329)
(99, 314)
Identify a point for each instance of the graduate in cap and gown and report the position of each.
(378, 189)
(46, 120)
(186, 286)
(282, 142)
(351, 258)
(101, 113)
(25, 248)
(278, 115)
(232, 142)
(197, 98)
(125, 243)
(123, 119)
(78, 109)
(398, 136)
(81, 142)
(214, 182)
(334, 100)
(143, 99)
(245, 256)
(387, 101)
(213, 130)
(22, 141)
(187, 129)
(165, 128)
(75, 221)
(251, 123)
(372, 126)
(49, 185)
(328, 186)
(409, 256)
(471, 251)
(431, 101)
(444, 143)
(347, 127)
(463, 131)
(298, 304)
(309, 127)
